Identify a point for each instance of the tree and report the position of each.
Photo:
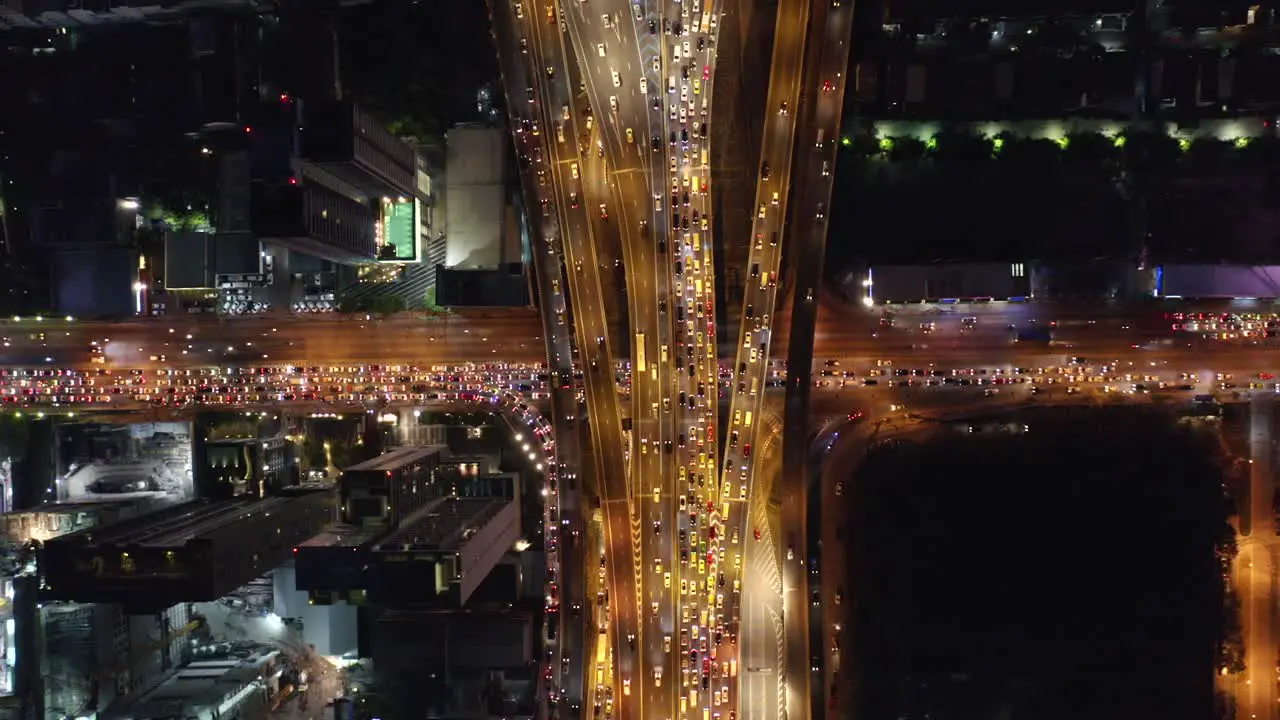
(429, 301)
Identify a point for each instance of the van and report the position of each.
(755, 385)
(704, 156)
(671, 84)
(699, 288)
(821, 134)
(746, 422)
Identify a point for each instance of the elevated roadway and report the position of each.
(552, 104)
(566, 559)
(750, 370)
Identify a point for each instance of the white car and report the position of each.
(657, 64)
(617, 80)
(613, 103)
(684, 94)
(644, 90)
(600, 49)
(686, 49)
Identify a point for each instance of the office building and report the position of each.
(486, 240)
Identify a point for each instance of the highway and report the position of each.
(750, 378)
(514, 335)
(827, 59)
(633, 61)
(1255, 571)
(555, 105)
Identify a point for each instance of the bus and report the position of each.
(641, 366)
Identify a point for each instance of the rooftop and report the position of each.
(444, 525)
(397, 458)
(201, 684)
(343, 535)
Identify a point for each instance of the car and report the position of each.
(644, 86)
(756, 532)
(826, 168)
(529, 93)
(551, 72)
(782, 109)
(821, 213)
(573, 170)
(524, 46)
(764, 170)
(839, 487)
(657, 64)
(673, 137)
(774, 201)
(564, 112)
(604, 212)
(573, 199)
(631, 136)
(617, 79)
(653, 27)
(613, 103)
(760, 214)
(600, 49)
(827, 86)
(656, 143)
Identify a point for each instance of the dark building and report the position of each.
(1002, 60)
(134, 139)
(387, 489)
(195, 551)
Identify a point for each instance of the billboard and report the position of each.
(1206, 282)
(397, 230)
(100, 459)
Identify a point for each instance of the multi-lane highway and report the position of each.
(1101, 359)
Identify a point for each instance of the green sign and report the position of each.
(399, 237)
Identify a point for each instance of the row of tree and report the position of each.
(1155, 150)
